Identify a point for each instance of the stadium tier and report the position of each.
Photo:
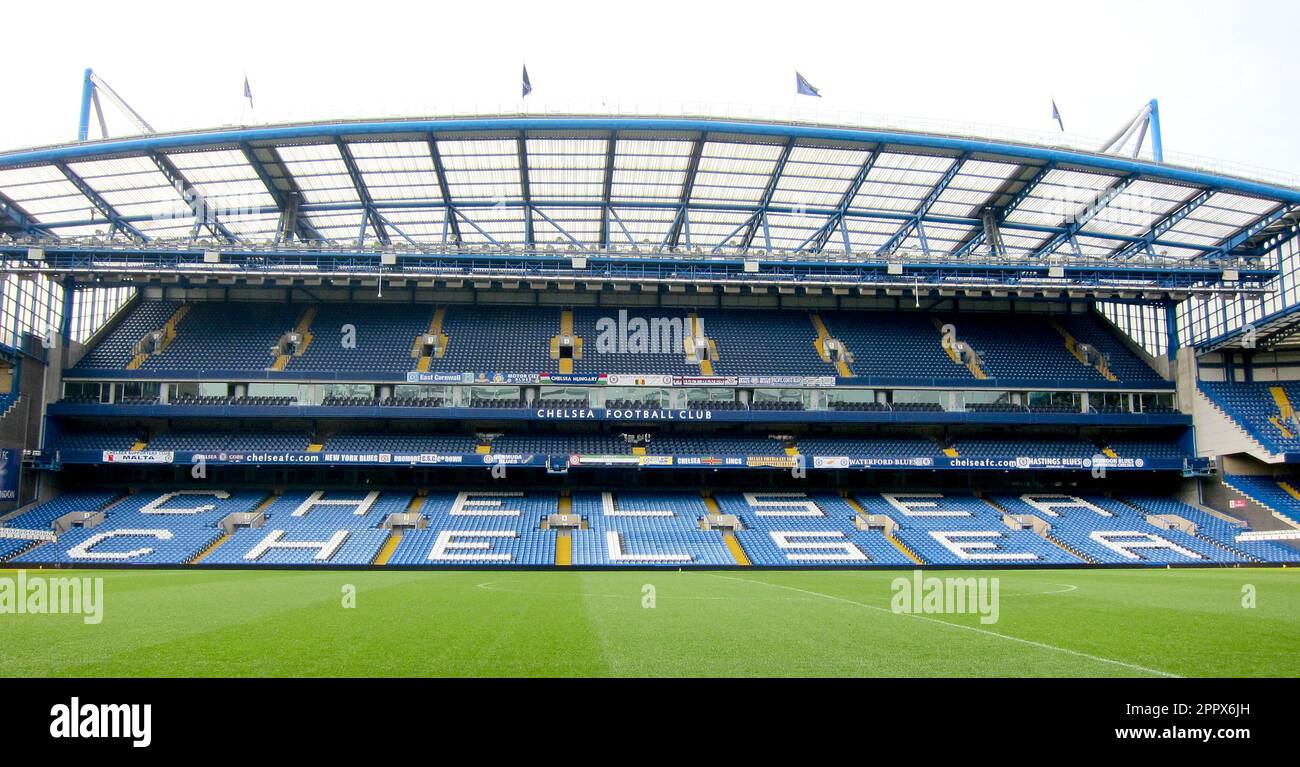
(1263, 410)
(382, 342)
(1279, 495)
(448, 528)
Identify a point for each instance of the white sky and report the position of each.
(1224, 71)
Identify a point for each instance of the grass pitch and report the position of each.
(733, 623)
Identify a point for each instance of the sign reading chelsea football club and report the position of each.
(622, 414)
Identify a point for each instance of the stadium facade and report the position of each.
(641, 342)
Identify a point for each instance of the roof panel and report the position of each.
(649, 167)
(651, 171)
(320, 173)
(134, 186)
(46, 194)
(397, 170)
(481, 169)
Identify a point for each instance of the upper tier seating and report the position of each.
(663, 443)
(117, 439)
(683, 444)
(400, 442)
(895, 345)
(1127, 447)
(1020, 347)
(204, 441)
(1010, 447)
(1251, 405)
(116, 348)
(1127, 366)
(764, 342)
(221, 336)
(663, 354)
(559, 444)
(382, 335)
(497, 339)
(901, 347)
(870, 447)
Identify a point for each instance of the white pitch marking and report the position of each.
(1008, 637)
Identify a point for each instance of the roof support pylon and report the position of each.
(1146, 120)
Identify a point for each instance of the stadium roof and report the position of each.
(667, 185)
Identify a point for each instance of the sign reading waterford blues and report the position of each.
(11, 464)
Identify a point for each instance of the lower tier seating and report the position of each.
(625, 528)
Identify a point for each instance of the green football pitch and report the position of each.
(660, 623)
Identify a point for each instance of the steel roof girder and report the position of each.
(110, 213)
(363, 194)
(530, 237)
(822, 235)
(1166, 223)
(1081, 219)
(452, 221)
(1026, 191)
(688, 187)
(761, 214)
(204, 215)
(923, 210)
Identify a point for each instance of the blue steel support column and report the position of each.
(1172, 343)
(1157, 144)
(83, 122)
(69, 290)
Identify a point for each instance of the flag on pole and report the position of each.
(1056, 115)
(803, 87)
(528, 85)
(248, 92)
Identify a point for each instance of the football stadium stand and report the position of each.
(643, 343)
